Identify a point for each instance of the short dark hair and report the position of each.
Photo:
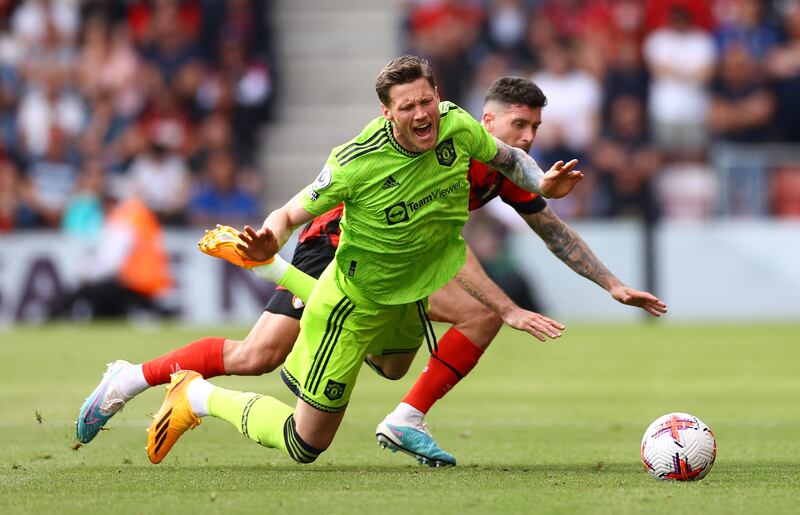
(402, 70)
(516, 90)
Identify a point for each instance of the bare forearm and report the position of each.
(283, 221)
(278, 223)
(473, 279)
(570, 248)
(518, 166)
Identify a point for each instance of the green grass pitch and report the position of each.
(544, 428)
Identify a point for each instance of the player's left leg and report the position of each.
(335, 336)
(264, 348)
(457, 353)
(302, 433)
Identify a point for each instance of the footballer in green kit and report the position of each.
(403, 183)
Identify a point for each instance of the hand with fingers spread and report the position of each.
(559, 180)
(258, 245)
(539, 326)
(640, 299)
(244, 249)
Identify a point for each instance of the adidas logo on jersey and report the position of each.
(390, 183)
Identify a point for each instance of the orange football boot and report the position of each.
(221, 241)
(174, 418)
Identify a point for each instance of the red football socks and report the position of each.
(203, 356)
(455, 358)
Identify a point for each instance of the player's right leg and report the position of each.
(452, 358)
(265, 347)
(263, 350)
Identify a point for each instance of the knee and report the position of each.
(394, 374)
(388, 368)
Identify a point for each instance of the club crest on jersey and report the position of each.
(396, 213)
(334, 390)
(324, 179)
(446, 152)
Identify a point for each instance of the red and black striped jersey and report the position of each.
(484, 185)
(324, 226)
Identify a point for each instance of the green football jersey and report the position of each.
(404, 212)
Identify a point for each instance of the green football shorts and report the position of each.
(337, 331)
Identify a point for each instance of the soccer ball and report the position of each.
(678, 446)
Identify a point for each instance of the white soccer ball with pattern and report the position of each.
(678, 446)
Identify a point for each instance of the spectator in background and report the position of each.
(129, 271)
(748, 27)
(445, 32)
(241, 86)
(742, 105)
(626, 162)
(215, 134)
(680, 57)
(33, 18)
(572, 117)
(165, 118)
(160, 177)
(9, 93)
(50, 104)
(626, 76)
(783, 67)
(238, 19)
(51, 179)
(221, 196)
(504, 30)
(658, 13)
(84, 214)
(14, 212)
(184, 16)
(108, 65)
(573, 104)
(168, 31)
(492, 66)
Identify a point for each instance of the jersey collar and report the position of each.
(397, 146)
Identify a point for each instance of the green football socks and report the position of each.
(263, 419)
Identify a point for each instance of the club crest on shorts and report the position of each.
(334, 390)
(324, 179)
(297, 302)
(446, 152)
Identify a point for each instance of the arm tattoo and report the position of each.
(570, 248)
(477, 294)
(518, 166)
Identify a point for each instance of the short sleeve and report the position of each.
(484, 145)
(328, 190)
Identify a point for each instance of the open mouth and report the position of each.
(423, 131)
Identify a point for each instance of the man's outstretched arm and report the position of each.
(523, 171)
(473, 279)
(570, 248)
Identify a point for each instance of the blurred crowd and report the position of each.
(650, 95)
(163, 99)
(104, 99)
